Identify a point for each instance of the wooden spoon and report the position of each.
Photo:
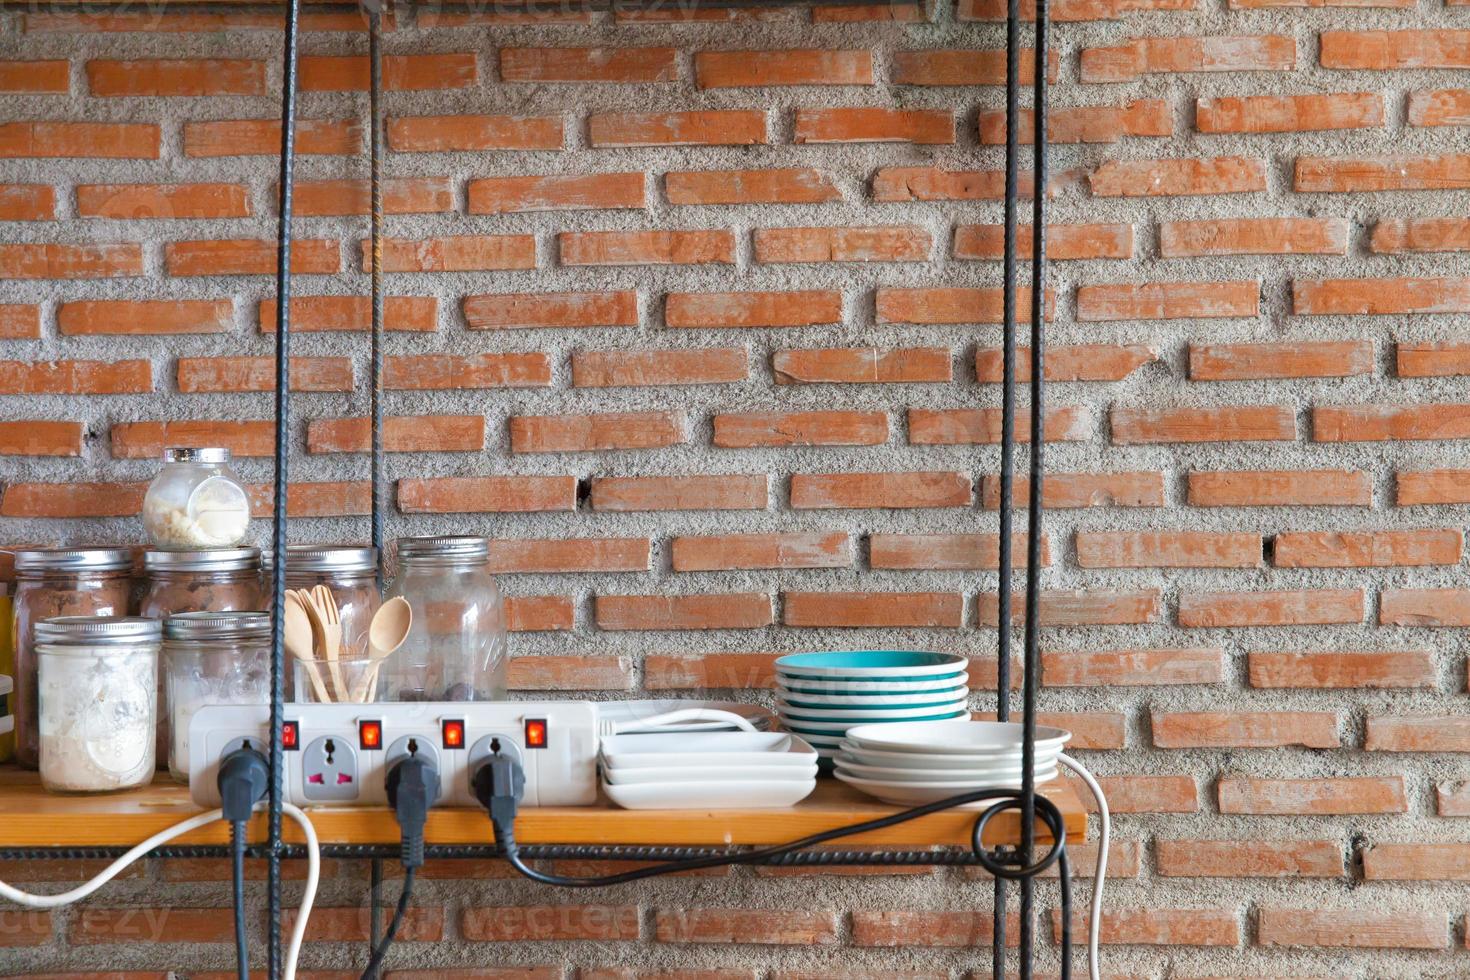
(386, 633)
(299, 642)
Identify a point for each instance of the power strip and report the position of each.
(339, 754)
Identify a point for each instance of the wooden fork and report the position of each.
(326, 605)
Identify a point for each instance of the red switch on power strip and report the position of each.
(370, 735)
(536, 733)
(453, 731)
(290, 735)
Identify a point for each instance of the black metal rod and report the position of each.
(375, 182)
(375, 914)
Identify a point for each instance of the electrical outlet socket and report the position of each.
(483, 749)
(329, 772)
(406, 745)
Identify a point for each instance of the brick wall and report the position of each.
(697, 318)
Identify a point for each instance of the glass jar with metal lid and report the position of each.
(196, 501)
(351, 572)
(211, 658)
(456, 648)
(51, 582)
(97, 682)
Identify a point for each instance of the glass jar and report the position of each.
(51, 582)
(456, 647)
(226, 580)
(351, 573)
(196, 502)
(211, 658)
(98, 682)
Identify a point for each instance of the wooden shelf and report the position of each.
(31, 817)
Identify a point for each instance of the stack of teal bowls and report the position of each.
(821, 695)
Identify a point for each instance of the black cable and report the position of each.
(237, 873)
(378, 954)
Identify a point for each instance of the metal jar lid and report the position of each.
(193, 454)
(217, 560)
(72, 559)
(330, 558)
(218, 626)
(98, 631)
(451, 547)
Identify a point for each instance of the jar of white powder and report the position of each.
(196, 502)
(212, 658)
(97, 682)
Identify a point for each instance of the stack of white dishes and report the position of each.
(707, 770)
(633, 716)
(821, 695)
(922, 762)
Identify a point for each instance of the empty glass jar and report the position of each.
(212, 658)
(97, 677)
(456, 648)
(196, 502)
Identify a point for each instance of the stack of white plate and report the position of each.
(918, 763)
(821, 695)
(707, 770)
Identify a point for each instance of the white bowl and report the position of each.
(955, 737)
(803, 725)
(959, 678)
(872, 702)
(686, 774)
(921, 760)
(710, 794)
(861, 717)
(912, 794)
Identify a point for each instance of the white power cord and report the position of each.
(1094, 925)
(308, 896)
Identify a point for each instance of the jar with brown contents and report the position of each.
(50, 583)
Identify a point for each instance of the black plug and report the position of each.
(413, 786)
(499, 784)
(243, 778)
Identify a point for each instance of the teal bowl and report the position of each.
(894, 665)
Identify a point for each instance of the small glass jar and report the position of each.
(98, 682)
(212, 658)
(351, 573)
(196, 502)
(51, 582)
(456, 647)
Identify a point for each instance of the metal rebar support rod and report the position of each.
(375, 357)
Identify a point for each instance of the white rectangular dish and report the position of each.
(710, 794)
(705, 750)
(694, 774)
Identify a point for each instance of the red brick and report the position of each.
(932, 184)
(1084, 124)
(1158, 55)
(36, 77)
(1302, 607)
(1419, 733)
(85, 318)
(1364, 549)
(446, 134)
(519, 311)
(661, 493)
(1452, 799)
(948, 552)
(522, 556)
(905, 13)
(1378, 50)
(1245, 729)
(1168, 300)
(1342, 669)
(1249, 859)
(617, 368)
(1432, 360)
(1424, 607)
(744, 430)
(764, 69)
(1432, 487)
(1340, 175)
(797, 185)
(1148, 794)
(1159, 927)
(1320, 797)
(262, 137)
(613, 65)
(335, 314)
(557, 673)
(859, 365)
(401, 73)
(1352, 928)
(1253, 236)
(908, 490)
(1289, 113)
(971, 426)
(715, 670)
(948, 305)
(646, 247)
(1178, 177)
(250, 257)
(1274, 4)
(487, 494)
(753, 309)
(401, 434)
(1132, 668)
(596, 433)
(27, 202)
(747, 610)
(1063, 242)
(1065, 11)
(1302, 359)
(714, 127)
(454, 253)
(947, 66)
(787, 927)
(348, 197)
(1395, 235)
(1389, 423)
(1439, 107)
(73, 500)
(215, 76)
(39, 437)
(1280, 488)
(1417, 862)
(1167, 549)
(177, 21)
(899, 243)
(147, 440)
(911, 927)
(727, 552)
(1091, 607)
(80, 140)
(1380, 296)
(1241, 423)
(540, 614)
(874, 124)
(75, 377)
(353, 924)
(578, 192)
(1075, 490)
(879, 610)
(168, 925)
(55, 261)
(484, 17)
(134, 202)
(562, 922)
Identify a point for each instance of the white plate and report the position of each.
(814, 685)
(921, 760)
(694, 774)
(856, 716)
(710, 794)
(830, 740)
(871, 702)
(804, 725)
(706, 749)
(886, 774)
(625, 713)
(954, 737)
(944, 663)
(912, 794)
